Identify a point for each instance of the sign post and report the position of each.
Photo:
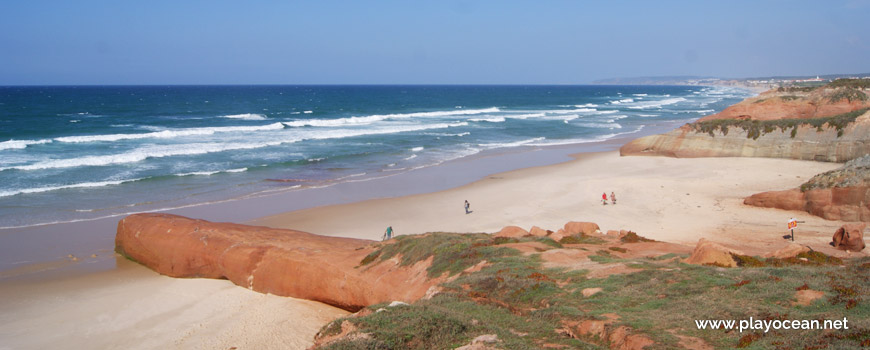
(792, 224)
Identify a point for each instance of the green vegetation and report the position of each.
(851, 94)
(796, 88)
(632, 237)
(756, 128)
(528, 306)
(850, 83)
(581, 239)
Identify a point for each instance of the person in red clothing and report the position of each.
(604, 198)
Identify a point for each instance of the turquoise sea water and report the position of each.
(75, 153)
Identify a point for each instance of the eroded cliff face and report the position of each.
(785, 104)
(280, 262)
(798, 123)
(808, 143)
(840, 194)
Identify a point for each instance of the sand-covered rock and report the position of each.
(275, 261)
(512, 232)
(789, 251)
(538, 232)
(711, 253)
(850, 237)
(586, 228)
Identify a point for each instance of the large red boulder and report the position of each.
(850, 237)
(276, 261)
(586, 228)
(512, 232)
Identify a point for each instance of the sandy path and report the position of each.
(135, 308)
(669, 199)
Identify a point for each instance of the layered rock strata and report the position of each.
(275, 261)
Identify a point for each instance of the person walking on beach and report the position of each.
(604, 198)
(388, 234)
(467, 206)
(613, 198)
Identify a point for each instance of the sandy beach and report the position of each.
(668, 199)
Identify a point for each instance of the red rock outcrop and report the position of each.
(773, 104)
(586, 228)
(805, 142)
(836, 203)
(850, 237)
(280, 262)
(710, 253)
(512, 232)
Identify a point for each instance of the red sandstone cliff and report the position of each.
(280, 262)
(774, 104)
(775, 124)
(840, 194)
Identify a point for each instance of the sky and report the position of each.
(424, 42)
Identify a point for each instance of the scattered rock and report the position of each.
(850, 237)
(807, 296)
(789, 251)
(512, 232)
(398, 303)
(710, 253)
(558, 235)
(538, 232)
(482, 342)
(586, 228)
(588, 292)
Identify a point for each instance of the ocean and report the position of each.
(79, 153)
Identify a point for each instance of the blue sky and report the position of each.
(424, 42)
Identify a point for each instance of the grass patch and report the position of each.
(525, 304)
(757, 128)
(632, 237)
(451, 252)
(581, 239)
(851, 83)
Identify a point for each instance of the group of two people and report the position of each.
(604, 198)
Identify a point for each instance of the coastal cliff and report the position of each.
(841, 194)
(828, 124)
(275, 261)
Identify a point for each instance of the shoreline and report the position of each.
(81, 247)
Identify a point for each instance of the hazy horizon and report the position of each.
(445, 43)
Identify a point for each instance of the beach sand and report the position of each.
(132, 307)
(675, 200)
(667, 199)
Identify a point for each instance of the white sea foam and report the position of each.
(411, 157)
(625, 100)
(588, 105)
(20, 144)
(647, 115)
(526, 116)
(489, 120)
(510, 144)
(606, 112)
(640, 95)
(381, 117)
(171, 133)
(209, 173)
(571, 111)
(62, 187)
(246, 116)
(601, 125)
(307, 112)
(657, 104)
(416, 149)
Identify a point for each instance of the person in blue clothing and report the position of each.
(467, 206)
(388, 234)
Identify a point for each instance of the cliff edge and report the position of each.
(828, 123)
